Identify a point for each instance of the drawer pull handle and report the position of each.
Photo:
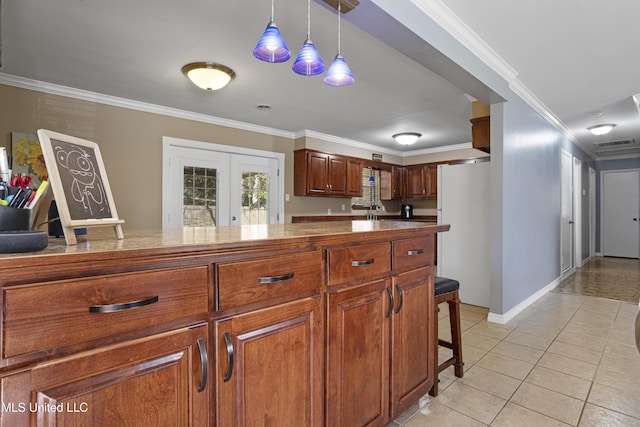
(124, 306)
(360, 263)
(227, 339)
(276, 278)
(401, 302)
(205, 365)
(416, 252)
(392, 301)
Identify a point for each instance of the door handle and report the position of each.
(205, 365)
(233, 218)
(227, 339)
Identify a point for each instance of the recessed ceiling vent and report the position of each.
(623, 144)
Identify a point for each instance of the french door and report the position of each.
(208, 185)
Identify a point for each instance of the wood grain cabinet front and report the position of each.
(161, 380)
(354, 264)
(412, 253)
(269, 366)
(60, 313)
(271, 278)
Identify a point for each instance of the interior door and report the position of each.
(621, 213)
(254, 190)
(566, 213)
(208, 185)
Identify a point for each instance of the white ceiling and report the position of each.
(576, 57)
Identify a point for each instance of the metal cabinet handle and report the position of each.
(276, 278)
(227, 339)
(360, 263)
(123, 306)
(392, 301)
(401, 302)
(205, 365)
(415, 252)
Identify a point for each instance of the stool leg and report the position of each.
(456, 334)
(434, 389)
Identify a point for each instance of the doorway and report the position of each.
(207, 185)
(566, 215)
(620, 208)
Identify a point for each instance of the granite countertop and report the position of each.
(103, 240)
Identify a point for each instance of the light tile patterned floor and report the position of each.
(567, 360)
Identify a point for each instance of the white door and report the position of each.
(254, 181)
(566, 213)
(206, 185)
(621, 213)
(463, 251)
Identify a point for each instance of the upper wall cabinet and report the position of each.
(480, 133)
(322, 174)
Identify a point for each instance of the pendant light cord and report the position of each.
(339, 27)
(308, 19)
(272, 10)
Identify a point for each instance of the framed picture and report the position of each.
(27, 157)
(79, 182)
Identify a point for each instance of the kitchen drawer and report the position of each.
(412, 253)
(60, 313)
(246, 282)
(355, 263)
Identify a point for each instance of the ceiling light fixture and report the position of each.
(601, 129)
(271, 47)
(208, 76)
(339, 73)
(308, 62)
(406, 138)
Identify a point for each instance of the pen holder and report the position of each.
(14, 219)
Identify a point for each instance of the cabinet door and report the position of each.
(397, 182)
(337, 175)
(432, 181)
(317, 173)
(415, 182)
(269, 366)
(358, 355)
(412, 339)
(354, 178)
(158, 381)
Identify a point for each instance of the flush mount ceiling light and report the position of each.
(339, 73)
(208, 76)
(406, 138)
(308, 62)
(271, 46)
(601, 129)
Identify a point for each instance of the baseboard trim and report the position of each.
(504, 318)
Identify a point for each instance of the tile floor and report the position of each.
(567, 360)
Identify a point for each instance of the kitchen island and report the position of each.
(297, 324)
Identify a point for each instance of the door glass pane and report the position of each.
(199, 200)
(255, 192)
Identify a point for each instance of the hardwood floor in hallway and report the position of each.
(605, 277)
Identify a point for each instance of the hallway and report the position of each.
(567, 360)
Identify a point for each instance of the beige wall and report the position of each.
(131, 145)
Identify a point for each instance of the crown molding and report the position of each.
(84, 95)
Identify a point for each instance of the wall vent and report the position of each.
(624, 143)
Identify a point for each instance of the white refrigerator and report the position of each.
(463, 251)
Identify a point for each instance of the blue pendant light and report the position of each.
(308, 62)
(339, 73)
(271, 46)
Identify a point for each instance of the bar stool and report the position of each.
(446, 290)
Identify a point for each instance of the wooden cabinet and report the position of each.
(161, 380)
(421, 181)
(481, 133)
(397, 182)
(412, 364)
(354, 177)
(358, 355)
(269, 366)
(379, 332)
(322, 174)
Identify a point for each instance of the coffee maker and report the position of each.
(406, 212)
